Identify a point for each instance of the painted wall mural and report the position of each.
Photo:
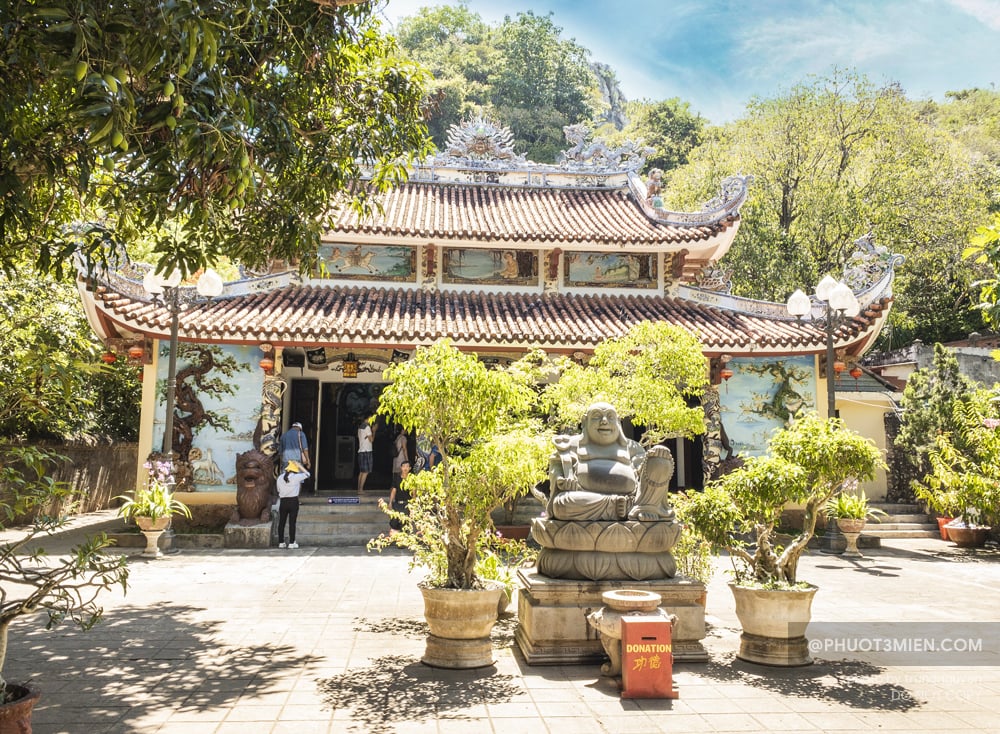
(761, 396)
(611, 269)
(369, 262)
(227, 395)
(491, 267)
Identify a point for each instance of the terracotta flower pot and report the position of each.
(15, 717)
(965, 537)
(942, 522)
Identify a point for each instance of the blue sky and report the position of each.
(717, 54)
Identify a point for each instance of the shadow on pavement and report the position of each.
(140, 663)
(837, 681)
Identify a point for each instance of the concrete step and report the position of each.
(894, 508)
(924, 532)
(350, 522)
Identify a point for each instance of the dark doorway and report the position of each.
(342, 408)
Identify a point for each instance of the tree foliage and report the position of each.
(210, 128)
(669, 126)
(651, 375)
(474, 415)
(521, 70)
(833, 159)
(54, 386)
(928, 404)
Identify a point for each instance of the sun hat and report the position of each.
(294, 467)
(296, 424)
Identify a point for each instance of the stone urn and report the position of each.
(851, 528)
(15, 717)
(774, 623)
(152, 529)
(460, 622)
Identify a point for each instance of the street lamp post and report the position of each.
(839, 305)
(166, 290)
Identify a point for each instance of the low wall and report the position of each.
(94, 474)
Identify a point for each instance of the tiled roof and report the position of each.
(331, 315)
(501, 215)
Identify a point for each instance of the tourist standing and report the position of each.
(400, 455)
(365, 459)
(399, 498)
(295, 446)
(289, 484)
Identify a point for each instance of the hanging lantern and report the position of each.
(839, 366)
(725, 373)
(267, 363)
(109, 358)
(350, 367)
(855, 372)
(136, 352)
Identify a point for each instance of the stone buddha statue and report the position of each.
(600, 474)
(607, 509)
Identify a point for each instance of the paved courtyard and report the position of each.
(329, 640)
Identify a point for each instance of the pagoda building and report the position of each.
(500, 255)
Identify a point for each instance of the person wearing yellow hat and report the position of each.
(289, 484)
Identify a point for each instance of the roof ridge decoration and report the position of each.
(597, 155)
(485, 146)
(868, 263)
(732, 194)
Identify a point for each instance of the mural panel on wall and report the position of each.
(761, 396)
(610, 269)
(369, 262)
(490, 267)
(218, 406)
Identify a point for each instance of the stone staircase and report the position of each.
(350, 521)
(904, 521)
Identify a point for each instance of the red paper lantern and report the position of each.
(267, 364)
(725, 373)
(109, 358)
(856, 372)
(839, 366)
(136, 352)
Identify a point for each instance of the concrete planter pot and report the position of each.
(15, 717)
(152, 529)
(460, 622)
(774, 623)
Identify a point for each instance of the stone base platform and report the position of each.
(553, 627)
(247, 536)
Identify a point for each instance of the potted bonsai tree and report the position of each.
(964, 480)
(63, 588)
(152, 507)
(475, 416)
(851, 510)
(809, 462)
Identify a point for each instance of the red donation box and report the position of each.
(647, 658)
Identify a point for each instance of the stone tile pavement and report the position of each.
(329, 640)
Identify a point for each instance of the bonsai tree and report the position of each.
(476, 416)
(65, 587)
(650, 375)
(964, 477)
(809, 462)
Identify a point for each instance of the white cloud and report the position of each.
(985, 11)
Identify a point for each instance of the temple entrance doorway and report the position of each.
(342, 407)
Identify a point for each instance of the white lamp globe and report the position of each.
(825, 287)
(842, 299)
(798, 304)
(210, 284)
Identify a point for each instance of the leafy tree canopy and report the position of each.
(521, 69)
(833, 159)
(209, 128)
